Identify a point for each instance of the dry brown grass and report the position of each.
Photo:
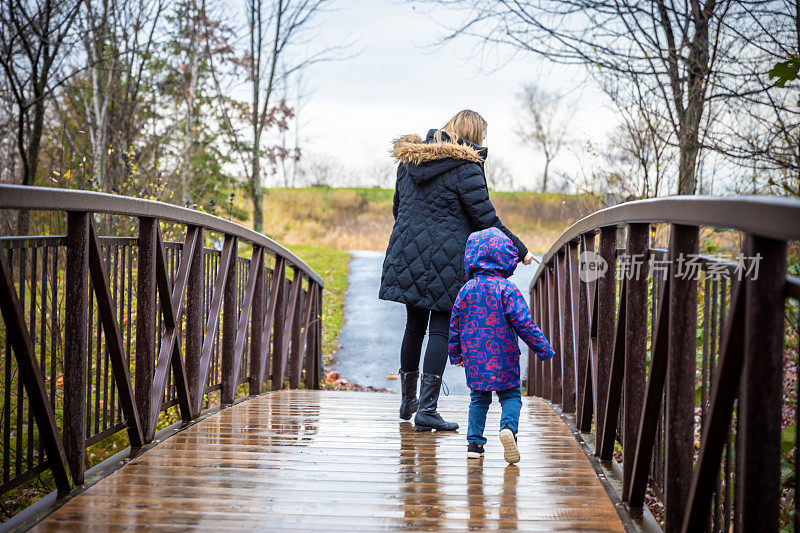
(361, 219)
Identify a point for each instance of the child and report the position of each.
(488, 314)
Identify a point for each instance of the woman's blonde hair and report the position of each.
(467, 125)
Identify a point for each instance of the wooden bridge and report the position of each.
(193, 345)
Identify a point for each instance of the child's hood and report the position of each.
(490, 252)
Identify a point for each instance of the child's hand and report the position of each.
(460, 363)
(529, 258)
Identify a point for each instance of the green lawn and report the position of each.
(333, 266)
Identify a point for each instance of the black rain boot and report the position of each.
(408, 387)
(427, 418)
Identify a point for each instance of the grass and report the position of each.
(332, 265)
(361, 218)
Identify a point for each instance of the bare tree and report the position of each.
(669, 50)
(498, 175)
(33, 37)
(320, 170)
(192, 27)
(642, 140)
(544, 123)
(291, 138)
(635, 159)
(380, 173)
(763, 132)
(8, 147)
(118, 40)
(277, 30)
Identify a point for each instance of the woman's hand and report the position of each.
(529, 259)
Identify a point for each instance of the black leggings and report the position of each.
(438, 332)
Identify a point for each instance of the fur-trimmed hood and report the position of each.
(429, 158)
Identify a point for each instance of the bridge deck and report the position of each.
(341, 461)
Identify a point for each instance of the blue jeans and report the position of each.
(510, 403)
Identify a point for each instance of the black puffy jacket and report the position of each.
(440, 198)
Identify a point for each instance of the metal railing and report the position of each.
(696, 415)
(105, 334)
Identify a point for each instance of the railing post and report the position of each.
(634, 491)
(75, 343)
(295, 357)
(283, 363)
(313, 337)
(606, 313)
(194, 325)
(555, 327)
(635, 342)
(145, 319)
(547, 380)
(566, 332)
(540, 365)
(307, 346)
(277, 333)
(230, 377)
(682, 349)
(256, 335)
(716, 423)
(531, 356)
(583, 416)
(319, 360)
(230, 319)
(573, 296)
(758, 446)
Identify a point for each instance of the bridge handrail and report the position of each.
(772, 217)
(20, 197)
(112, 332)
(629, 361)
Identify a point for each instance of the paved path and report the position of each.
(340, 461)
(373, 328)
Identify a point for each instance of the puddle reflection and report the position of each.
(419, 479)
(432, 488)
(480, 507)
(475, 497)
(292, 424)
(508, 498)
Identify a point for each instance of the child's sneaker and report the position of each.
(510, 449)
(474, 451)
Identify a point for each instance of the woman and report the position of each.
(440, 198)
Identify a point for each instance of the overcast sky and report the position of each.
(399, 82)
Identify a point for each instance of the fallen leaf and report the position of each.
(392, 376)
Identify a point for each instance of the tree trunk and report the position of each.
(32, 156)
(544, 174)
(697, 63)
(687, 179)
(256, 191)
(35, 141)
(100, 74)
(260, 109)
(189, 134)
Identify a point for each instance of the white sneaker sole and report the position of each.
(474, 455)
(510, 449)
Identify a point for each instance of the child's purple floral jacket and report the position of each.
(487, 313)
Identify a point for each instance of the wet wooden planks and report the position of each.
(342, 461)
